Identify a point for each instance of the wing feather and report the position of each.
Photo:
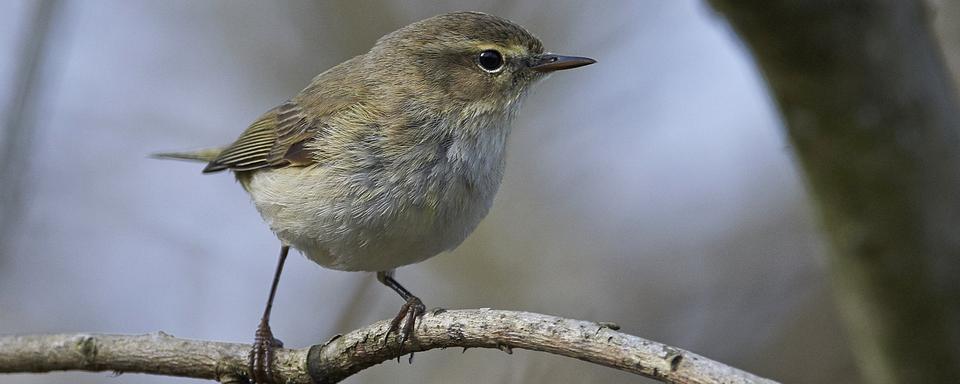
(278, 137)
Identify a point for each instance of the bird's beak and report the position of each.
(549, 62)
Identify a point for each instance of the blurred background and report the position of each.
(654, 189)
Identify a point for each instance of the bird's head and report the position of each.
(468, 60)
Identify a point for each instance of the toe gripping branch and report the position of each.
(411, 310)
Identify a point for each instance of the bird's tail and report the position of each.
(202, 155)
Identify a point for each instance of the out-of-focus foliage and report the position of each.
(653, 189)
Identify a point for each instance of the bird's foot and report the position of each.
(261, 355)
(412, 310)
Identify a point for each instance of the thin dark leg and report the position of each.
(411, 310)
(261, 356)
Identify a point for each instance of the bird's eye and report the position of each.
(490, 61)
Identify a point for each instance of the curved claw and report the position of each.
(261, 355)
(411, 311)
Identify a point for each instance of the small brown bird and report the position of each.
(391, 157)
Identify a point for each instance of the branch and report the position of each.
(348, 354)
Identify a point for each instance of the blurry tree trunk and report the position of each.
(946, 22)
(16, 134)
(874, 121)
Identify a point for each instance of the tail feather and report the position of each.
(203, 155)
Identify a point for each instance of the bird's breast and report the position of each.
(384, 212)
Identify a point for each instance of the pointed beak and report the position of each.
(549, 62)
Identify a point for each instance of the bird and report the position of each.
(388, 158)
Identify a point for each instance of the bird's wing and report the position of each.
(267, 141)
(278, 137)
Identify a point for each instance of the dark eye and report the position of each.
(490, 60)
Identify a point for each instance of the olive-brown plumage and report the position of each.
(390, 157)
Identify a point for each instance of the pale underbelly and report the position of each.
(401, 241)
(375, 234)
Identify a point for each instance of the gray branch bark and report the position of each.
(875, 124)
(348, 354)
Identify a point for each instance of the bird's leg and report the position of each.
(261, 355)
(411, 310)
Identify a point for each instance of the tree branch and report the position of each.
(348, 354)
